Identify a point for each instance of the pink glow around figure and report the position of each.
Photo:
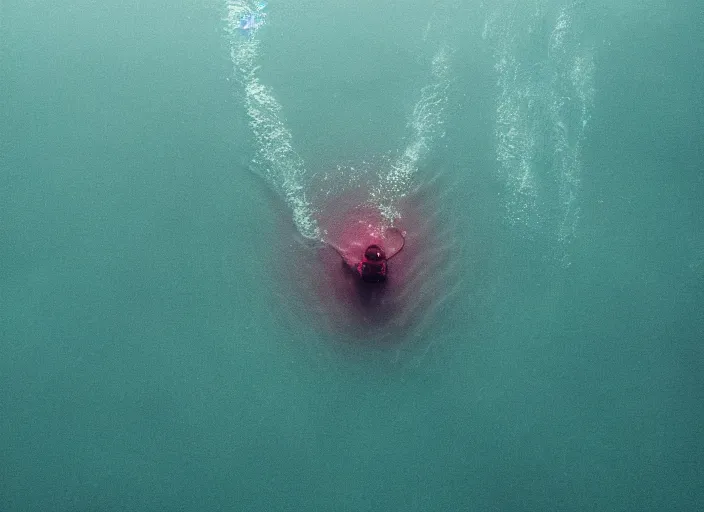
(383, 306)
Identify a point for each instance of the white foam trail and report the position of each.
(277, 161)
(516, 141)
(426, 124)
(542, 110)
(571, 102)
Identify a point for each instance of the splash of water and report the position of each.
(279, 163)
(349, 206)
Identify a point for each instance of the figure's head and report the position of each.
(374, 253)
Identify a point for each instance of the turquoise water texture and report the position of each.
(165, 173)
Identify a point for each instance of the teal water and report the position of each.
(160, 348)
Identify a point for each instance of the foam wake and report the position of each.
(276, 159)
(426, 125)
(544, 101)
(280, 164)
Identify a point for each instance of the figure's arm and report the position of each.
(403, 242)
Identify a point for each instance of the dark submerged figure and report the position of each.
(373, 267)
